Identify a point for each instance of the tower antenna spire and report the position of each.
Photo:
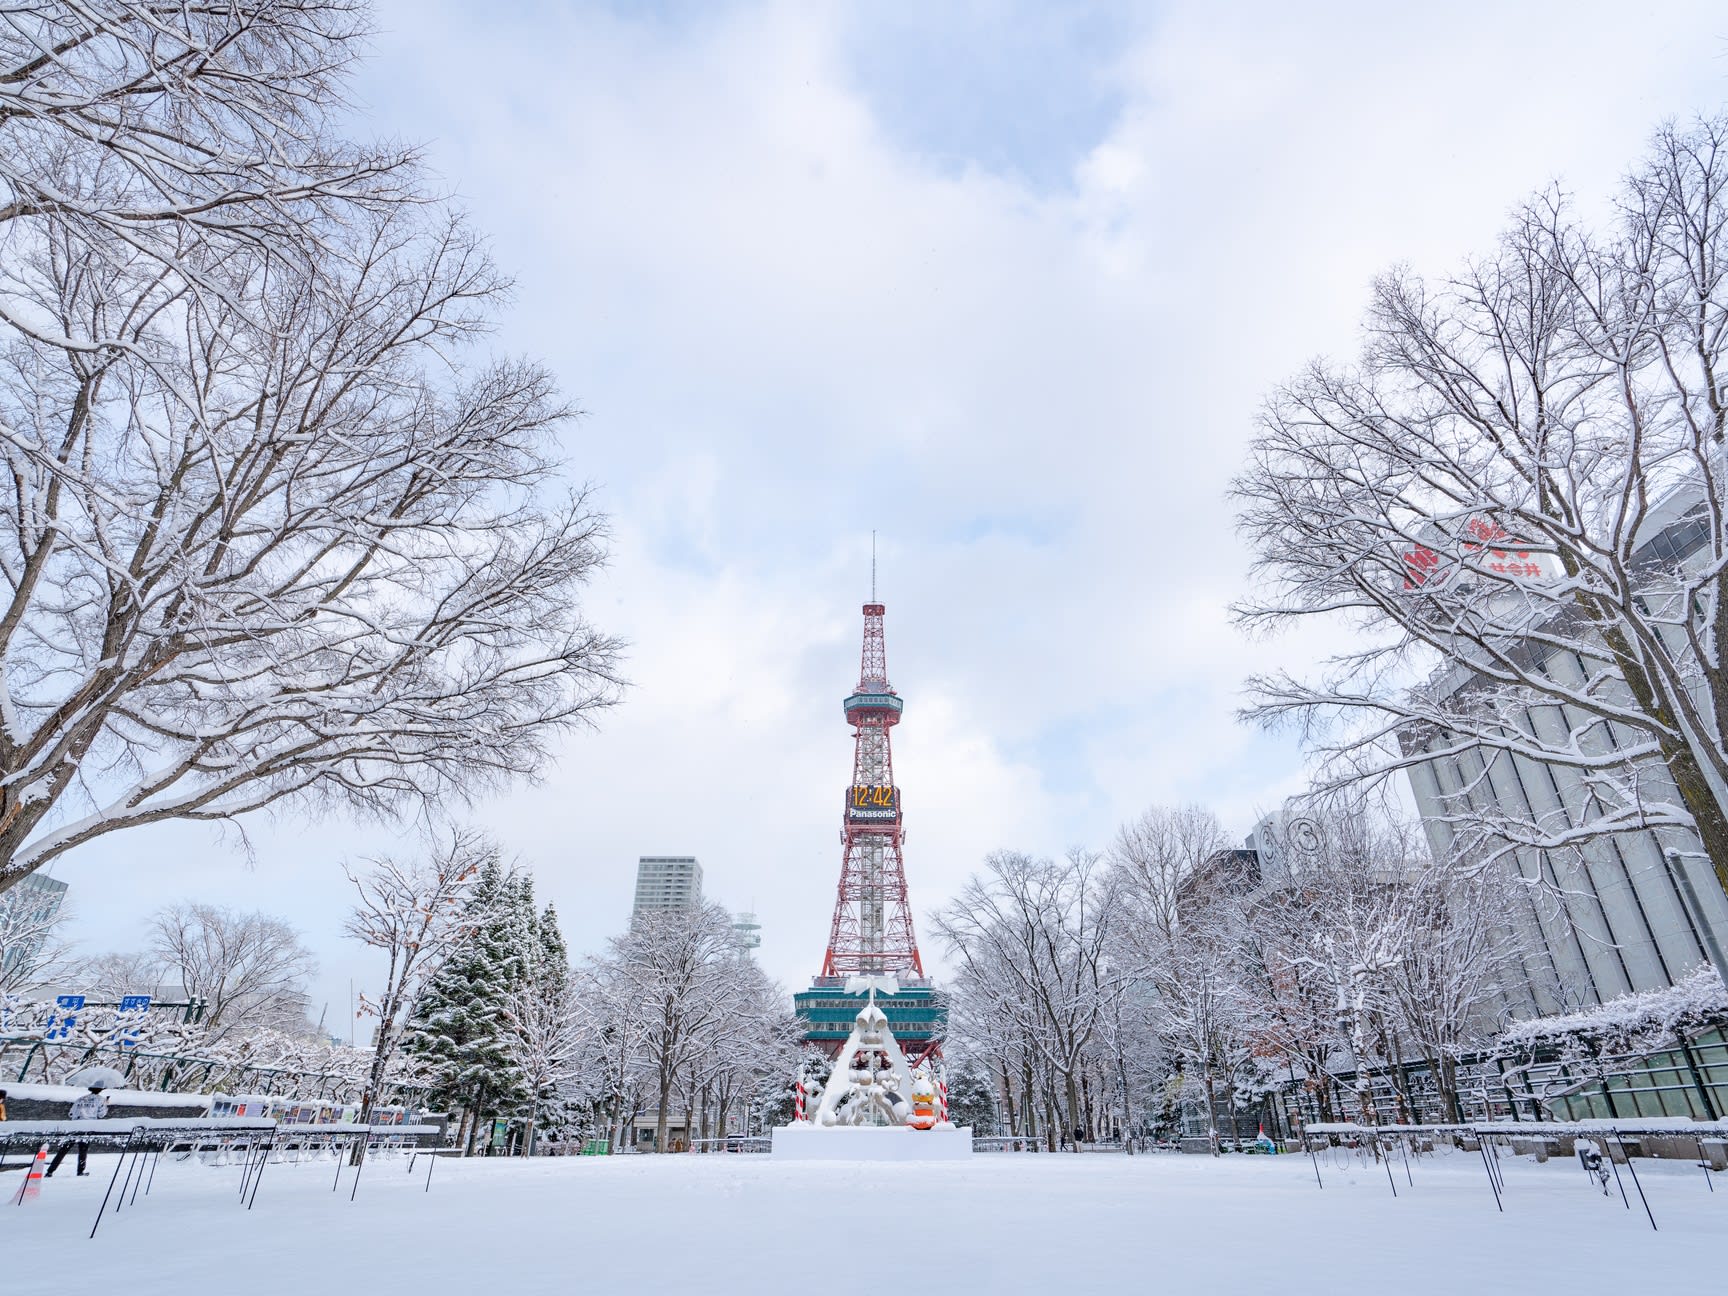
(872, 566)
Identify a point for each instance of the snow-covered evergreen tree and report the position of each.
(972, 1098)
(457, 1028)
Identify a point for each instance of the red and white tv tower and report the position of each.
(872, 930)
(872, 935)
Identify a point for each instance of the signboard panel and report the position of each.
(868, 803)
(132, 1012)
(1486, 546)
(64, 1017)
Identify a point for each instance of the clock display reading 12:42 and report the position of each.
(877, 797)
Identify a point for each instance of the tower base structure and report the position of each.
(917, 1013)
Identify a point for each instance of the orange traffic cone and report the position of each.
(33, 1181)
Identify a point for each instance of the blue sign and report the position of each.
(137, 1006)
(68, 1006)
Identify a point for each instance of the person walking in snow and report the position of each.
(90, 1106)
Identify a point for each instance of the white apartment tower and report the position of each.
(667, 882)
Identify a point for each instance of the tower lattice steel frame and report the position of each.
(872, 932)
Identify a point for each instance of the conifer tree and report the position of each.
(457, 1027)
(972, 1099)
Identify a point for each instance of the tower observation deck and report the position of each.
(872, 932)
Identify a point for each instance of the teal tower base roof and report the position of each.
(917, 1014)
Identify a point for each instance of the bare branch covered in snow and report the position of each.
(272, 530)
(1518, 499)
(247, 967)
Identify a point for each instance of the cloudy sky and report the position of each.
(1002, 282)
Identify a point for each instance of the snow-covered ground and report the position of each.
(1054, 1225)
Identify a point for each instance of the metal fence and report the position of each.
(141, 1143)
(1688, 1079)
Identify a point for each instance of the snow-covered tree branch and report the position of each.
(411, 911)
(272, 529)
(246, 967)
(1519, 498)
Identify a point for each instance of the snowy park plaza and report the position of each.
(1000, 1223)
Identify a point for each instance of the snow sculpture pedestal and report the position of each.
(806, 1142)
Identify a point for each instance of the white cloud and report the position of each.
(790, 329)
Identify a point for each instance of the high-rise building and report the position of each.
(26, 911)
(667, 882)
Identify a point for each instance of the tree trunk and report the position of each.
(1365, 1113)
(473, 1123)
(1029, 1100)
(1128, 1130)
(665, 1105)
(1445, 1072)
(1685, 766)
(1207, 1083)
(1400, 1078)
(357, 1153)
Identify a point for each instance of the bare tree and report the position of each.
(1449, 981)
(759, 1040)
(1185, 936)
(1205, 1018)
(1156, 856)
(117, 974)
(615, 1014)
(247, 967)
(144, 124)
(1032, 938)
(679, 973)
(1520, 498)
(1366, 946)
(544, 1036)
(272, 531)
(413, 912)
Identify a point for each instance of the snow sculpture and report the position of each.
(923, 1100)
(870, 1080)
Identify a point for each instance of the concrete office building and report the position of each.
(27, 909)
(667, 882)
(1632, 912)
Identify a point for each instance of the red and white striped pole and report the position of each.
(798, 1103)
(942, 1098)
